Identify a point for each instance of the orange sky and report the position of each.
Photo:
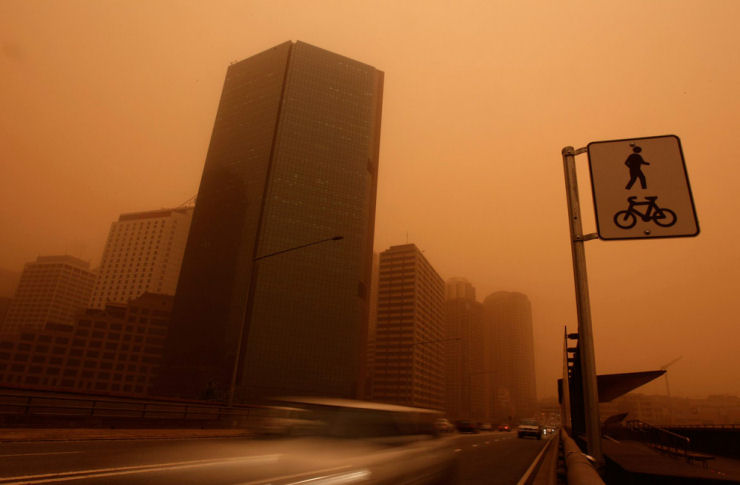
(107, 107)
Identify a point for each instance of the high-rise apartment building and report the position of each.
(410, 339)
(293, 160)
(51, 289)
(143, 254)
(508, 320)
(468, 375)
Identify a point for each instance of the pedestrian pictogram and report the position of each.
(650, 198)
(635, 162)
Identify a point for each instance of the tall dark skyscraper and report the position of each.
(508, 318)
(293, 159)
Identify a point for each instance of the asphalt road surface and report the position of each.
(495, 458)
(486, 458)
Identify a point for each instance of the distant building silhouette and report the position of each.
(51, 289)
(143, 254)
(410, 340)
(459, 288)
(665, 411)
(293, 159)
(508, 321)
(112, 351)
(467, 375)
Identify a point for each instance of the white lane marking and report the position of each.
(47, 453)
(531, 468)
(265, 481)
(108, 472)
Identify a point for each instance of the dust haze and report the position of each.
(107, 108)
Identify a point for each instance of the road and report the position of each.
(487, 458)
(495, 458)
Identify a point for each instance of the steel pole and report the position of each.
(247, 312)
(583, 306)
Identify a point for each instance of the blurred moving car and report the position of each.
(444, 425)
(283, 421)
(485, 427)
(381, 443)
(503, 427)
(529, 427)
(465, 426)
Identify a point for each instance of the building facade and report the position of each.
(371, 331)
(410, 338)
(112, 351)
(293, 160)
(51, 289)
(143, 254)
(467, 371)
(507, 317)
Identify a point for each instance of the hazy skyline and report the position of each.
(108, 108)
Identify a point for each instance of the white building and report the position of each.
(51, 289)
(143, 253)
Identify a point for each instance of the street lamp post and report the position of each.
(247, 309)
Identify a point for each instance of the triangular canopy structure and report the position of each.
(611, 386)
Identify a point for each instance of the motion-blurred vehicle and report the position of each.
(503, 427)
(444, 425)
(371, 443)
(485, 427)
(529, 427)
(465, 426)
(283, 421)
(548, 430)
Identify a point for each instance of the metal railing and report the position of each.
(703, 426)
(70, 406)
(579, 470)
(660, 438)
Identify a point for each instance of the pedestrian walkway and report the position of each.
(638, 459)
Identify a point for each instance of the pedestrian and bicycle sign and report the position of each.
(641, 188)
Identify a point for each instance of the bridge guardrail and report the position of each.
(34, 404)
(579, 470)
(662, 438)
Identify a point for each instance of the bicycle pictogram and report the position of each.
(628, 218)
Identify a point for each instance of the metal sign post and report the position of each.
(583, 306)
(641, 190)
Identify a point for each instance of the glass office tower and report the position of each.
(293, 159)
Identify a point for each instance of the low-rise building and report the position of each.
(116, 350)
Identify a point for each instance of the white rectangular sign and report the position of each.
(641, 188)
